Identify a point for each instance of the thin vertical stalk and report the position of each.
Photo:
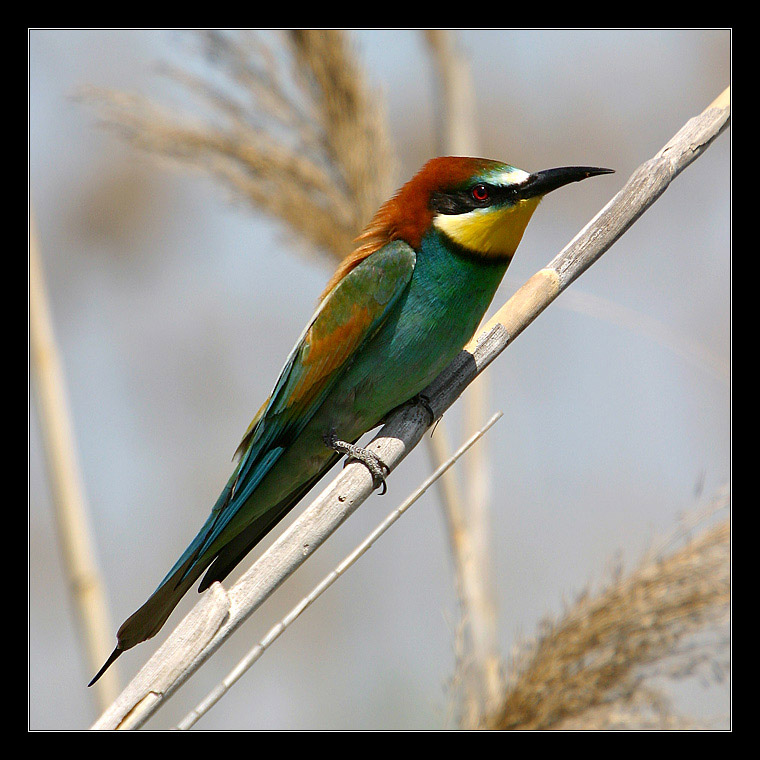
(71, 518)
(481, 672)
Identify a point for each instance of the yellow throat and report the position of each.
(493, 232)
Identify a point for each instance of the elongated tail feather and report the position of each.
(110, 661)
(148, 620)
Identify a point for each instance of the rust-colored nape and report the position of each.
(407, 215)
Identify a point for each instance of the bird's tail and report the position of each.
(228, 557)
(202, 553)
(150, 618)
(110, 661)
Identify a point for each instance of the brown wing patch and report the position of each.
(326, 347)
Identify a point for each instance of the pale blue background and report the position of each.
(175, 309)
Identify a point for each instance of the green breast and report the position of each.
(446, 299)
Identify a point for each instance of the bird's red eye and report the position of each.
(480, 193)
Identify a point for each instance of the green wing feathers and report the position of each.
(348, 315)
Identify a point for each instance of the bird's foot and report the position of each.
(377, 468)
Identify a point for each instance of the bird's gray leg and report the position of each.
(377, 468)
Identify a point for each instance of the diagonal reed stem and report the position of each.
(274, 633)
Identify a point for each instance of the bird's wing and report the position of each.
(350, 314)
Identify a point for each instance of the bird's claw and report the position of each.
(377, 468)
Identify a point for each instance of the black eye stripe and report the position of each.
(463, 200)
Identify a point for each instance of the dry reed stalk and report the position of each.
(479, 672)
(591, 668)
(67, 490)
(254, 654)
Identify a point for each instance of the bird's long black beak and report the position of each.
(541, 183)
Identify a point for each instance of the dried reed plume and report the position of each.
(592, 668)
(311, 148)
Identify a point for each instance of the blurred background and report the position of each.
(175, 304)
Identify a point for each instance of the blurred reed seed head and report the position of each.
(294, 130)
(593, 667)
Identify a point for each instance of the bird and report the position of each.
(396, 311)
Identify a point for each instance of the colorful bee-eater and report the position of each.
(396, 312)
